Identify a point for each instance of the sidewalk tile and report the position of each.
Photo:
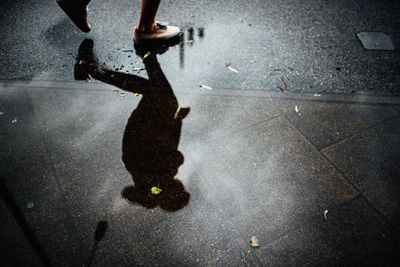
(334, 242)
(265, 178)
(325, 123)
(371, 161)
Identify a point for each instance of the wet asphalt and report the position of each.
(291, 139)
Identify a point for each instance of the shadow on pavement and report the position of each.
(151, 138)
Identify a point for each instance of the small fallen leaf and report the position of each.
(325, 212)
(155, 190)
(284, 84)
(139, 69)
(254, 242)
(205, 86)
(146, 55)
(232, 69)
(227, 64)
(30, 205)
(283, 90)
(277, 69)
(122, 94)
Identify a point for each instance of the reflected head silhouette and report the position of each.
(151, 138)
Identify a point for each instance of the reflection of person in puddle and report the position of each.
(150, 143)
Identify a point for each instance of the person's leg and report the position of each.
(148, 12)
(150, 32)
(77, 12)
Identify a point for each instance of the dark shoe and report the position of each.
(77, 12)
(84, 60)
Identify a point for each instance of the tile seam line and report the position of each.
(357, 134)
(314, 217)
(318, 151)
(53, 170)
(336, 168)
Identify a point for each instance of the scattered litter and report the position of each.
(312, 70)
(139, 69)
(122, 66)
(265, 77)
(127, 50)
(284, 84)
(89, 78)
(1, 113)
(338, 67)
(324, 90)
(232, 69)
(283, 90)
(205, 86)
(317, 94)
(136, 94)
(277, 69)
(251, 61)
(122, 94)
(254, 164)
(227, 64)
(155, 190)
(146, 55)
(30, 205)
(325, 212)
(375, 41)
(296, 109)
(354, 90)
(323, 46)
(14, 120)
(80, 62)
(254, 242)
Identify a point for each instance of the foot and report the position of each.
(77, 12)
(158, 34)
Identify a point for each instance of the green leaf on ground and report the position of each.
(155, 190)
(146, 55)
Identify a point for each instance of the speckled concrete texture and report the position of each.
(297, 143)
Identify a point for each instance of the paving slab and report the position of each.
(265, 172)
(368, 161)
(334, 241)
(325, 123)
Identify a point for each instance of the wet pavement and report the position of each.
(293, 139)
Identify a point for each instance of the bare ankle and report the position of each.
(146, 27)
